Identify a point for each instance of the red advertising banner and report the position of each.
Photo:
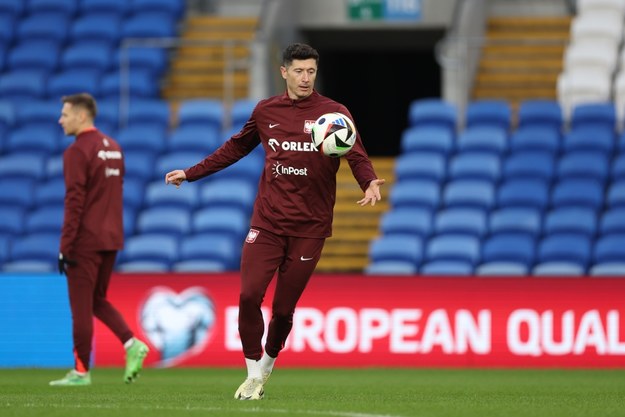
(342, 320)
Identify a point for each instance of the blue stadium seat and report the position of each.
(495, 113)
(201, 112)
(149, 25)
(228, 192)
(248, 168)
(96, 26)
(50, 26)
(72, 82)
(139, 165)
(157, 194)
(524, 220)
(7, 115)
(29, 266)
(509, 247)
(453, 247)
(469, 193)
(143, 267)
(212, 247)
(13, 220)
(195, 266)
(608, 269)
(35, 247)
(175, 160)
(149, 59)
(541, 113)
(150, 247)
(427, 139)
(87, 55)
(22, 165)
(475, 165)
(45, 219)
(616, 194)
(164, 220)
(130, 220)
(152, 112)
(148, 137)
(64, 7)
(13, 8)
(535, 138)
(450, 268)
(16, 192)
(5, 243)
(590, 138)
(410, 221)
(42, 114)
(50, 193)
(578, 192)
(415, 193)
(538, 165)
(118, 7)
(240, 112)
(584, 165)
(7, 31)
(501, 269)
(460, 221)
(617, 172)
(32, 140)
(609, 248)
(594, 115)
(565, 247)
(530, 193)
(483, 139)
(108, 114)
(171, 7)
(558, 269)
(23, 85)
(41, 56)
(140, 84)
(421, 165)
(396, 248)
(433, 112)
(391, 268)
(612, 221)
(221, 220)
(133, 193)
(203, 139)
(54, 166)
(582, 220)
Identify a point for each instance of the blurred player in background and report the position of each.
(293, 209)
(92, 234)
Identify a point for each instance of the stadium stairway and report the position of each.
(199, 64)
(354, 226)
(521, 58)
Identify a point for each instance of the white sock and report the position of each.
(266, 363)
(129, 343)
(253, 369)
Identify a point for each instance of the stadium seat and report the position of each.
(13, 220)
(49, 26)
(32, 140)
(601, 114)
(617, 171)
(530, 193)
(87, 55)
(176, 160)
(171, 7)
(140, 165)
(221, 220)
(152, 60)
(391, 268)
(565, 247)
(580, 87)
(35, 247)
(40, 56)
(483, 139)
(22, 165)
(589, 138)
(18, 192)
(215, 247)
(516, 220)
(7, 31)
(133, 193)
(450, 268)
(421, 165)
(596, 56)
(248, 168)
(475, 165)
(30, 266)
(496, 113)
(427, 139)
(469, 193)
(433, 112)
(157, 194)
(149, 112)
(240, 112)
(139, 84)
(396, 248)
(149, 25)
(164, 220)
(584, 164)
(558, 269)
(578, 192)
(143, 267)
(509, 247)
(13, 8)
(468, 221)
(65, 7)
(130, 220)
(72, 82)
(118, 7)
(453, 247)
(415, 194)
(616, 194)
(608, 269)
(45, 219)
(538, 165)
(535, 138)
(150, 247)
(50, 193)
(612, 221)
(42, 114)
(149, 137)
(5, 242)
(202, 139)
(23, 85)
(610, 248)
(104, 27)
(407, 221)
(199, 265)
(540, 113)
(501, 269)
(7, 114)
(228, 193)
(207, 112)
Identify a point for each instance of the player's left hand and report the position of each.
(372, 193)
(64, 262)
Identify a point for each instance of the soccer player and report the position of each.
(293, 210)
(93, 167)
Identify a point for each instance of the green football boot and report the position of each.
(135, 355)
(72, 379)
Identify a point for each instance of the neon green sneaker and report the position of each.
(250, 389)
(72, 379)
(135, 356)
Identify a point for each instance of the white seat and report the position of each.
(611, 6)
(577, 86)
(597, 28)
(592, 56)
(619, 98)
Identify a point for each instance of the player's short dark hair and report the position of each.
(299, 51)
(84, 100)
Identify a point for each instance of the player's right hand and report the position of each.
(175, 177)
(64, 262)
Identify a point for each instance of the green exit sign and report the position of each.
(365, 9)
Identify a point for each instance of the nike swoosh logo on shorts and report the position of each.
(305, 259)
(271, 125)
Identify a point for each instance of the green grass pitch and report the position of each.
(320, 393)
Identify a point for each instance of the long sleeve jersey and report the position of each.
(93, 167)
(297, 188)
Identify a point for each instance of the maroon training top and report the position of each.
(93, 167)
(297, 188)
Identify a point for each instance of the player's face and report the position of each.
(70, 119)
(300, 77)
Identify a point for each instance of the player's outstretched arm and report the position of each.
(175, 177)
(372, 193)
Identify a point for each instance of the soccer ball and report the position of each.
(333, 134)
